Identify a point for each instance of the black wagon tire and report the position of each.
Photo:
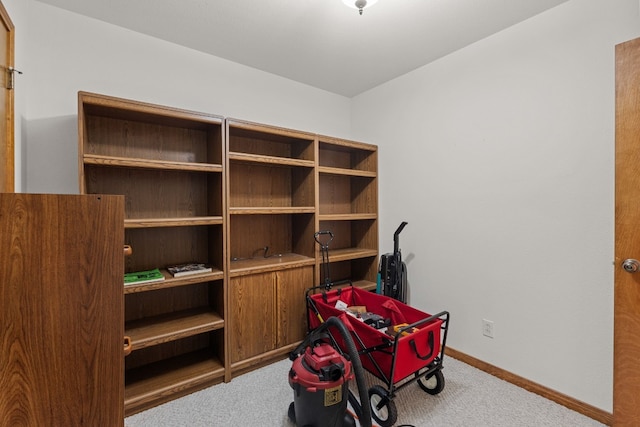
(383, 409)
(292, 412)
(432, 384)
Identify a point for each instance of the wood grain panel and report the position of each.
(250, 234)
(334, 194)
(160, 247)
(253, 185)
(364, 195)
(61, 311)
(343, 154)
(291, 316)
(252, 312)
(264, 140)
(127, 138)
(334, 156)
(154, 193)
(303, 231)
(149, 304)
(150, 361)
(352, 234)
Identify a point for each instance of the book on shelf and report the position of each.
(188, 269)
(147, 276)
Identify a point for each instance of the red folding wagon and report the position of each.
(414, 351)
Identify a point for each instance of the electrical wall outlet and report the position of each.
(487, 328)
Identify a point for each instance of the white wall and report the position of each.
(67, 53)
(501, 158)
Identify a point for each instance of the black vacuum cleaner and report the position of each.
(393, 272)
(320, 378)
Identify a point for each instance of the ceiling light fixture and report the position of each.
(359, 4)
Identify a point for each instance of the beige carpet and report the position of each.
(471, 398)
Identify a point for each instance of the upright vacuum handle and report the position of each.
(396, 237)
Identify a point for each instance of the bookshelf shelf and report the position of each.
(173, 222)
(153, 331)
(171, 281)
(168, 379)
(93, 159)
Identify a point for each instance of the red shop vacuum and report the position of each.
(320, 378)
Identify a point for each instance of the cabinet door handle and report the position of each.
(128, 346)
(127, 250)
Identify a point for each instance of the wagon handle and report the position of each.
(439, 316)
(323, 242)
(430, 343)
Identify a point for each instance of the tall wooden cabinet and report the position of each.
(62, 336)
(168, 163)
(243, 197)
(271, 217)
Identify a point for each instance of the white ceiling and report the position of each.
(321, 43)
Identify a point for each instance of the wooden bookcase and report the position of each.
(348, 207)
(271, 216)
(242, 197)
(168, 163)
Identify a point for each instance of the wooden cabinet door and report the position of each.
(62, 346)
(291, 286)
(252, 315)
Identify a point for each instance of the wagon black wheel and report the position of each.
(383, 409)
(432, 384)
(292, 413)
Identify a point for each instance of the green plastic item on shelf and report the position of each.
(143, 276)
